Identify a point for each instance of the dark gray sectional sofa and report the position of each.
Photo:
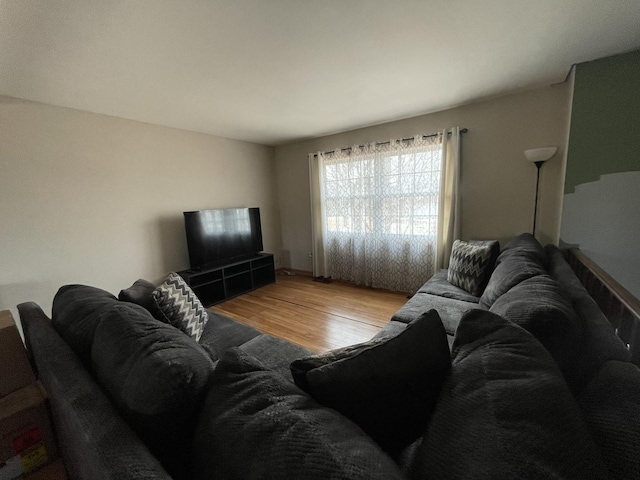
(529, 380)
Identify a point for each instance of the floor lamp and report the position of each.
(538, 156)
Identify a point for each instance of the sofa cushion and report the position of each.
(440, 286)
(471, 264)
(274, 353)
(140, 293)
(222, 333)
(610, 405)
(77, 311)
(388, 386)
(450, 310)
(539, 305)
(180, 306)
(391, 329)
(156, 377)
(505, 411)
(255, 424)
(507, 274)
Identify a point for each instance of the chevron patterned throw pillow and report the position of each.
(471, 264)
(180, 306)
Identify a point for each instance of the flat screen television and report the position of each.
(222, 235)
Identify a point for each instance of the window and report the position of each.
(394, 194)
(379, 216)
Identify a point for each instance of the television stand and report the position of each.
(221, 282)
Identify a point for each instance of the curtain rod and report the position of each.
(462, 130)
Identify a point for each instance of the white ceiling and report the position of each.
(277, 71)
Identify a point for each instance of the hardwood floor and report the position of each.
(317, 316)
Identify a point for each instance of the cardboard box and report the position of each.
(15, 369)
(26, 438)
(53, 471)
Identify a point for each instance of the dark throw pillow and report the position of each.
(77, 311)
(256, 424)
(505, 411)
(181, 307)
(140, 293)
(388, 386)
(156, 376)
(471, 264)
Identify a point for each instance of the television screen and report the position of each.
(222, 235)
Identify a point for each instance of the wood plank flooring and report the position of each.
(317, 316)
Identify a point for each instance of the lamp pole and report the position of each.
(538, 165)
(538, 156)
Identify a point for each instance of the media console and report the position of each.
(218, 283)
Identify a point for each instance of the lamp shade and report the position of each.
(540, 154)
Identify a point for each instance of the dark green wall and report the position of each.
(601, 204)
(605, 119)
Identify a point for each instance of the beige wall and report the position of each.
(93, 199)
(498, 185)
(87, 198)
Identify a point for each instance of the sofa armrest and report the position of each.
(94, 440)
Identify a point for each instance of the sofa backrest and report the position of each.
(598, 341)
(526, 245)
(490, 421)
(540, 306)
(522, 258)
(610, 404)
(97, 443)
(77, 311)
(156, 376)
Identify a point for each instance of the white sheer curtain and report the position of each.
(385, 215)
